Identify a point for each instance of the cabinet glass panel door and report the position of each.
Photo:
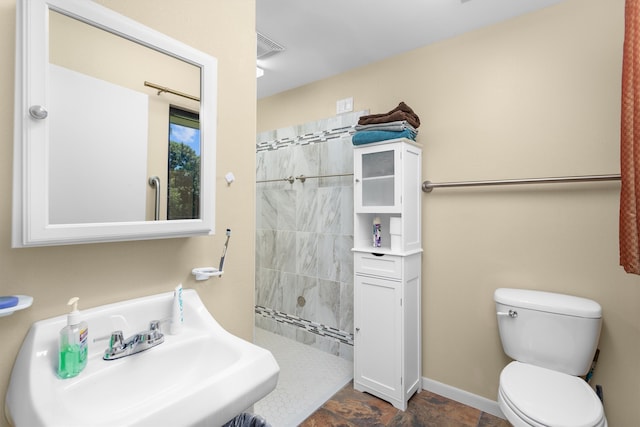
(378, 176)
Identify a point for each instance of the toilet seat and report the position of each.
(541, 397)
(511, 413)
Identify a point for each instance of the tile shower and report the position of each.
(304, 233)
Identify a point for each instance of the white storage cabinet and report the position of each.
(387, 333)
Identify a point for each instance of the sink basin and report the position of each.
(203, 376)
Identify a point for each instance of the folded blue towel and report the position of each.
(369, 136)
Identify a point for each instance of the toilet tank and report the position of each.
(554, 331)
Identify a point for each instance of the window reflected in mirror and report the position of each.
(183, 199)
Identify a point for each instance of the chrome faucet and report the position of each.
(119, 348)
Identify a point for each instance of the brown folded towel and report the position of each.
(401, 112)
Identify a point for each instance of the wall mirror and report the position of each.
(115, 129)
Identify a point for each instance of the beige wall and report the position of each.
(532, 97)
(109, 272)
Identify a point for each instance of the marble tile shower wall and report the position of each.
(304, 233)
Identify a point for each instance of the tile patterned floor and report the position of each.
(308, 377)
(349, 408)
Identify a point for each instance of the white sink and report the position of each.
(202, 377)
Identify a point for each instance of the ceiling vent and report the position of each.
(267, 47)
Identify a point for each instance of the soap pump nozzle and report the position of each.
(73, 318)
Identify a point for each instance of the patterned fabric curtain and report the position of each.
(630, 141)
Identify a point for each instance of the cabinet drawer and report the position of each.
(388, 266)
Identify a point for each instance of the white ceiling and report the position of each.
(323, 38)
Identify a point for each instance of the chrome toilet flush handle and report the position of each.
(511, 313)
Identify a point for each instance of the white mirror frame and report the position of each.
(31, 137)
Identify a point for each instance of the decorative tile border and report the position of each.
(308, 325)
(340, 127)
(310, 138)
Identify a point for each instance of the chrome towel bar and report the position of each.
(428, 186)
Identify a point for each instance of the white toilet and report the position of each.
(552, 339)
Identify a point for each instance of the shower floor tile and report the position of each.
(308, 378)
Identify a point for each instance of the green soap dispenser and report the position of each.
(72, 356)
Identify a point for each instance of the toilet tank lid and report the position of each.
(549, 302)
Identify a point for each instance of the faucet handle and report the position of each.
(116, 344)
(155, 333)
(116, 340)
(154, 326)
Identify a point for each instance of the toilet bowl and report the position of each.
(533, 396)
(552, 339)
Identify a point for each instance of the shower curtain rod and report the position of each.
(303, 178)
(169, 90)
(428, 186)
(290, 179)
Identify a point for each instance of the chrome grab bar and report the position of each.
(428, 186)
(154, 181)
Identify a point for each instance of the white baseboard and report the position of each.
(482, 403)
